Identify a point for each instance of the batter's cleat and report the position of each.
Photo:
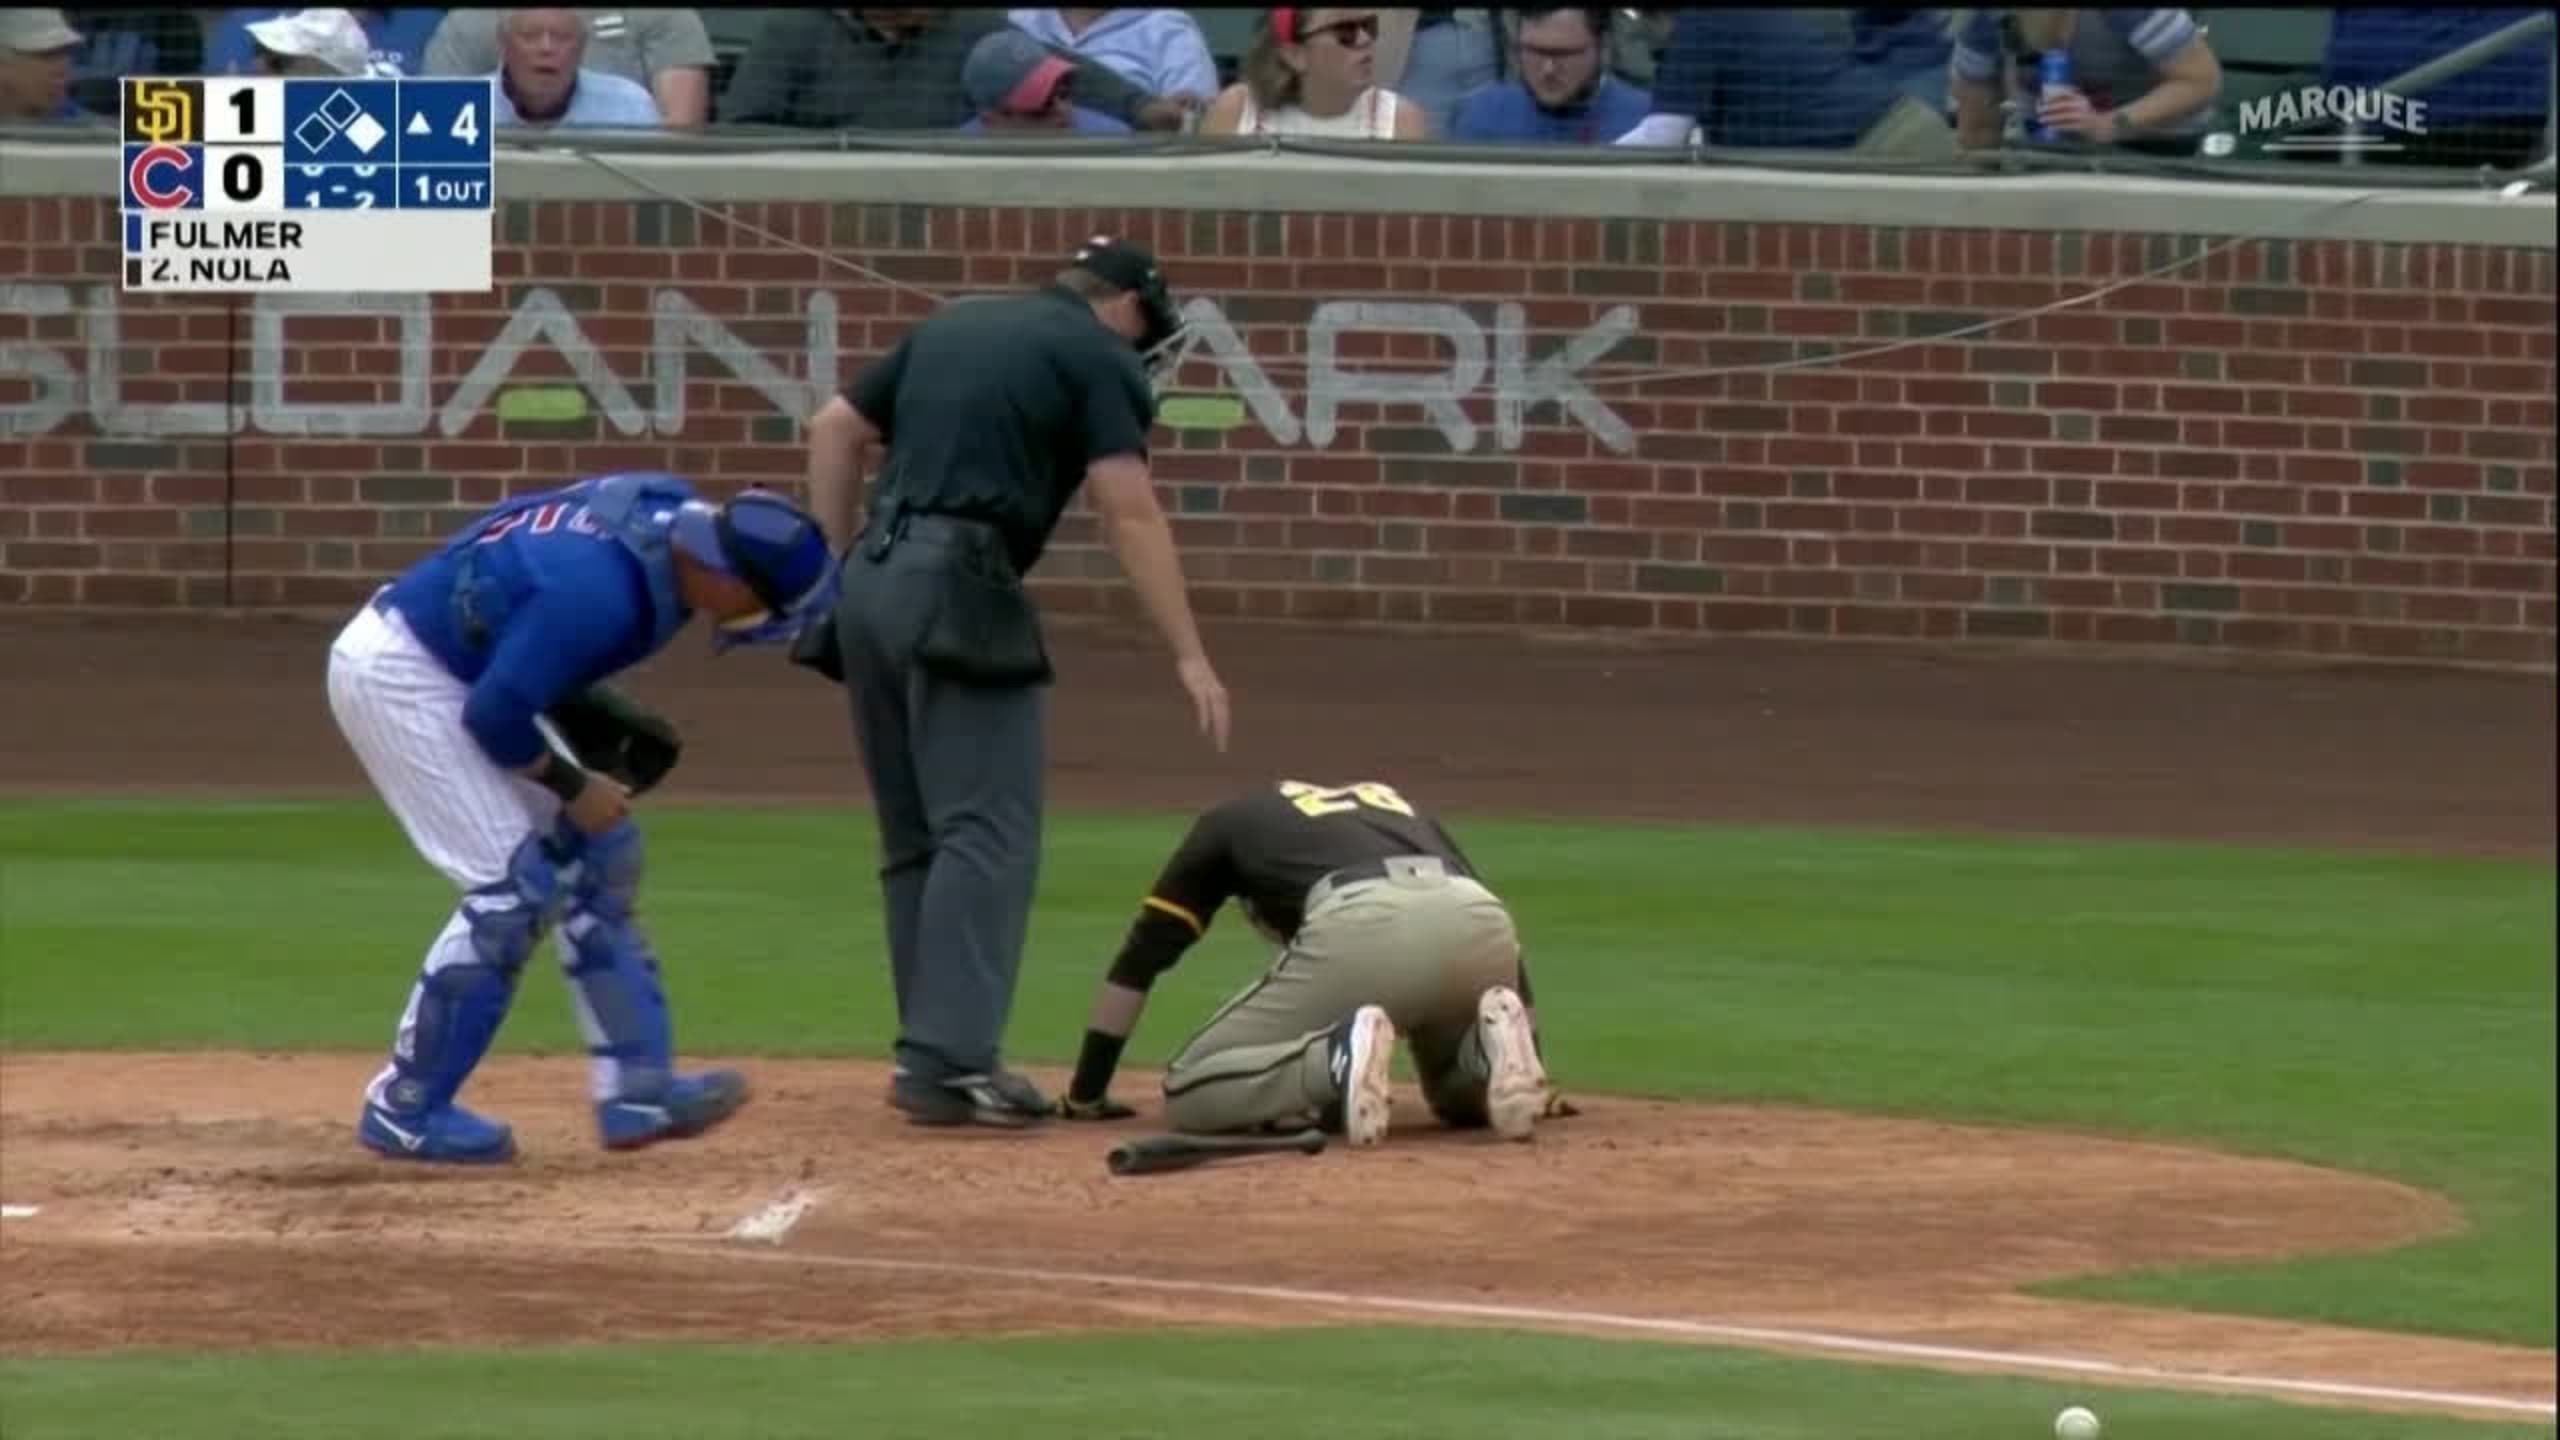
(450, 1136)
(1516, 1084)
(692, 1105)
(1362, 1061)
(1003, 1100)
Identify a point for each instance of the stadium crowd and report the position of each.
(1894, 83)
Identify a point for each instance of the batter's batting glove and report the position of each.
(1104, 1108)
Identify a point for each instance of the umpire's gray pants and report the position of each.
(956, 776)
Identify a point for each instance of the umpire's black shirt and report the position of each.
(991, 409)
(1264, 849)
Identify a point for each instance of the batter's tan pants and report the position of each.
(1421, 943)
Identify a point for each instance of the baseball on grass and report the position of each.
(2076, 1423)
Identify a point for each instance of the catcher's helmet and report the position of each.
(773, 546)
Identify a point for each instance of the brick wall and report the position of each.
(2330, 447)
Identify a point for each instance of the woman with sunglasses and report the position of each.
(1313, 73)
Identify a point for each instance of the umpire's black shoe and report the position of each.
(1004, 1100)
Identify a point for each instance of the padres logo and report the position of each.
(160, 111)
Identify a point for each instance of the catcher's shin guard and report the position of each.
(463, 994)
(613, 974)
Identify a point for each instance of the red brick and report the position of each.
(1899, 463)
(2316, 535)
(124, 590)
(1607, 612)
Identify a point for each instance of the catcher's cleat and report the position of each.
(449, 1136)
(1516, 1084)
(692, 1105)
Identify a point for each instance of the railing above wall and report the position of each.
(2279, 203)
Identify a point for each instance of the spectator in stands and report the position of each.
(1018, 85)
(316, 42)
(117, 43)
(543, 79)
(1637, 55)
(1912, 46)
(1310, 73)
(1162, 52)
(1789, 79)
(1565, 92)
(1449, 58)
(398, 38)
(36, 47)
(895, 70)
(2141, 79)
(665, 52)
(2494, 114)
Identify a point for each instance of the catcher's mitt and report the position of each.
(617, 736)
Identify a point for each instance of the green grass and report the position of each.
(1388, 1384)
(2387, 1014)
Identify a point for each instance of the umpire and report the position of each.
(991, 413)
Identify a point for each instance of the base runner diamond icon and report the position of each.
(365, 134)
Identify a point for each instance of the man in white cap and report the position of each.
(394, 38)
(316, 42)
(35, 66)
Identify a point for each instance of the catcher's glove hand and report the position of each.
(1105, 1108)
(617, 736)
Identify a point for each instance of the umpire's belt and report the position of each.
(1417, 870)
(938, 528)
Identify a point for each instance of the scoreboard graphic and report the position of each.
(243, 186)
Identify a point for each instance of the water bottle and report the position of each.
(2053, 72)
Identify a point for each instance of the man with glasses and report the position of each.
(1564, 94)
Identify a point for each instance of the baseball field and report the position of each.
(1956, 1039)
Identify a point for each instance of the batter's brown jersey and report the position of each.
(1263, 850)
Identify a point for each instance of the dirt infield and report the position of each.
(219, 1200)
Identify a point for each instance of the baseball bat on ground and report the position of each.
(1156, 1154)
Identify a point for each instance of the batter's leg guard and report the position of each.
(613, 979)
(461, 998)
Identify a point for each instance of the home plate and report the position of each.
(774, 1221)
(20, 1212)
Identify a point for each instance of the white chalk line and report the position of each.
(775, 1221)
(20, 1212)
(1690, 1329)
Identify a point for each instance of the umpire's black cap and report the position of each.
(1133, 268)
